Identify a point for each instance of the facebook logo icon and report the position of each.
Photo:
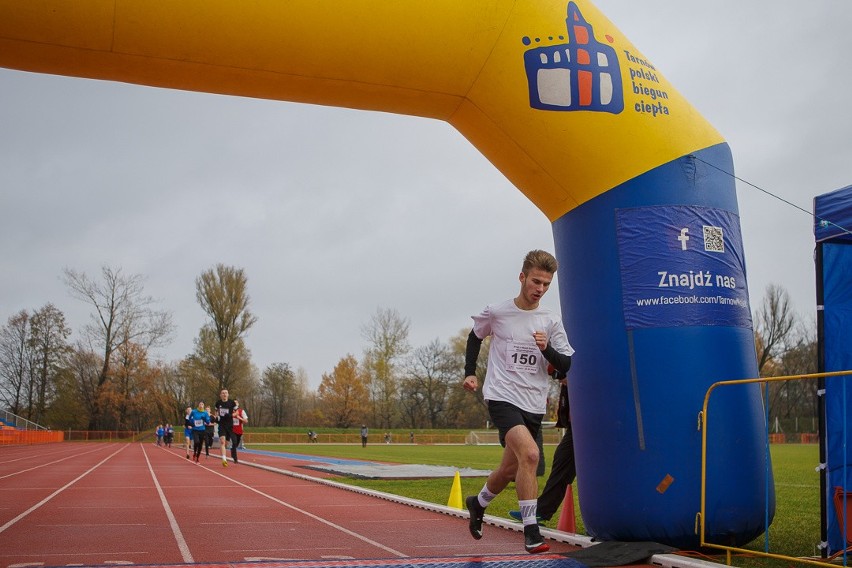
(683, 237)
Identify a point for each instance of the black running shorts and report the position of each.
(225, 430)
(506, 416)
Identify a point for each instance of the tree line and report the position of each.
(107, 379)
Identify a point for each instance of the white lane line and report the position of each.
(58, 491)
(311, 515)
(181, 542)
(74, 455)
(43, 454)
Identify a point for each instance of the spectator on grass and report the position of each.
(364, 433)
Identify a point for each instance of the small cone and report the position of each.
(567, 523)
(455, 493)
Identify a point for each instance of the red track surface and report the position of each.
(68, 503)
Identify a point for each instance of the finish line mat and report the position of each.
(611, 553)
(494, 561)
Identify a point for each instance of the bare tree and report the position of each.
(774, 324)
(432, 372)
(49, 348)
(223, 295)
(465, 409)
(279, 386)
(785, 346)
(122, 314)
(84, 368)
(387, 337)
(15, 362)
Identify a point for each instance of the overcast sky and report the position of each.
(334, 213)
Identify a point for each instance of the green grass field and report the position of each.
(794, 531)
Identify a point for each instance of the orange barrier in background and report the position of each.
(13, 436)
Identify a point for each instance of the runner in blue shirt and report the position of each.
(199, 418)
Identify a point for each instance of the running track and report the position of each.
(83, 504)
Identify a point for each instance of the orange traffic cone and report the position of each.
(567, 523)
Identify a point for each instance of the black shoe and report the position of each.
(476, 511)
(533, 543)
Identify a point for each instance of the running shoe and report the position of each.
(518, 517)
(476, 511)
(533, 542)
(224, 463)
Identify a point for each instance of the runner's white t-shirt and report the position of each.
(517, 369)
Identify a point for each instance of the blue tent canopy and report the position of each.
(833, 215)
(832, 219)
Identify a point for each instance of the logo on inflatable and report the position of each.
(582, 74)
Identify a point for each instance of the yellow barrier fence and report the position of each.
(703, 420)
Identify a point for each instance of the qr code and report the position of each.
(713, 239)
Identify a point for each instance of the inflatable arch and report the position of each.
(646, 227)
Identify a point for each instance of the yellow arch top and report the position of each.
(481, 65)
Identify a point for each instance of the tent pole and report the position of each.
(823, 508)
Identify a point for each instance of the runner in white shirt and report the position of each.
(525, 339)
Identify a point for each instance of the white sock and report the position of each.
(529, 508)
(485, 496)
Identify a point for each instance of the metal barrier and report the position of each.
(20, 422)
(702, 425)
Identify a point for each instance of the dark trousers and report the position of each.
(562, 474)
(235, 443)
(199, 437)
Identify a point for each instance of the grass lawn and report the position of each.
(794, 531)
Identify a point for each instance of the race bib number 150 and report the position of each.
(522, 357)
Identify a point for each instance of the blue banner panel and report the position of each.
(837, 315)
(681, 266)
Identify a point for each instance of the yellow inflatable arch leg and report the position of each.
(652, 280)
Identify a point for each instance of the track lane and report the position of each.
(150, 505)
(403, 528)
(25, 484)
(109, 515)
